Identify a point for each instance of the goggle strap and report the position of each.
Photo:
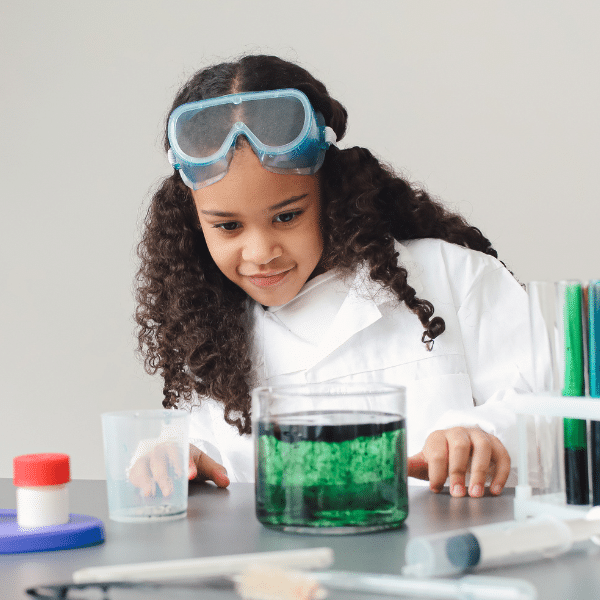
(172, 160)
(330, 137)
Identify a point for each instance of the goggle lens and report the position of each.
(274, 121)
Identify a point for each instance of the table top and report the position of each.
(222, 521)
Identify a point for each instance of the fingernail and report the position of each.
(477, 491)
(496, 489)
(458, 490)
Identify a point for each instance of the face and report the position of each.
(262, 228)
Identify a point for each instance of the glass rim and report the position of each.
(331, 389)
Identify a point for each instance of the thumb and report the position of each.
(192, 470)
(418, 467)
(207, 468)
(219, 476)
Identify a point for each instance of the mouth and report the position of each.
(265, 279)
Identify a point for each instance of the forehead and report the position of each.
(249, 187)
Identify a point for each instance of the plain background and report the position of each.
(492, 106)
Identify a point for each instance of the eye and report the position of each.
(229, 226)
(288, 216)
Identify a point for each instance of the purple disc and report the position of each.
(81, 530)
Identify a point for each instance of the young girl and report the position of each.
(271, 257)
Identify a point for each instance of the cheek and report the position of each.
(220, 252)
(316, 241)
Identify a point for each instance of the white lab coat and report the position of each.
(356, 330)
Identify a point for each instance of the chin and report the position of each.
(271, 300)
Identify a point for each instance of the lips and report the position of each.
(267, 280)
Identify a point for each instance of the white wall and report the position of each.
(492, 105)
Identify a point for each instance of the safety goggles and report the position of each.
(281, 126)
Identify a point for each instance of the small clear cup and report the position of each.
(133, 439)
(330, 458)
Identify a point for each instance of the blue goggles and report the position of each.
(281, 126)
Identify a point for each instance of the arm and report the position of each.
(493, 318)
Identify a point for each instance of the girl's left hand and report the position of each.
(450, 453)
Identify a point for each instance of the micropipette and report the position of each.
(454, 552)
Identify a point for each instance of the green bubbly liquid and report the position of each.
(338, 471)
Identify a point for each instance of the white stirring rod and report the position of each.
(213, 566)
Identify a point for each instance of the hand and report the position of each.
(449, 453)
(203, 468)
(153, 468)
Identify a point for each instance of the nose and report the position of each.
(261, 247)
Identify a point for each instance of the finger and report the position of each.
(435, 453)
(192, 471)
(210, 469)
(481, 458)
(159, 467)
(459, 454)
(417, 466)
(501, 459)
(140, 476)
(174, 457)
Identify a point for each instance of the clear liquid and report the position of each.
(334, 472)
(126, 503)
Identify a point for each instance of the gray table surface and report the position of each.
(222, 521)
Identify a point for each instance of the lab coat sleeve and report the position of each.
(494, 323)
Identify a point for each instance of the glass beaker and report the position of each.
(330, 457)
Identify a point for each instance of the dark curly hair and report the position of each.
(193, 321)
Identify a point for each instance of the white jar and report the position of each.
(42, 491)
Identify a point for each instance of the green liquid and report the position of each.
(347, 473)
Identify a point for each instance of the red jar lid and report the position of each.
(41, 469)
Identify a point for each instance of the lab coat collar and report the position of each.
(278, 351)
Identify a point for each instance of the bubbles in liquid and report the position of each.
(338, 471)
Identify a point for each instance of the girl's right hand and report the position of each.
(204, 468)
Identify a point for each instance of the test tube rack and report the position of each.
(527, 503)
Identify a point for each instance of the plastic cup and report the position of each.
(330, 458)
(134, 440)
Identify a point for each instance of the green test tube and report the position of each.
(575, 430)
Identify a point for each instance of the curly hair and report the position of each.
(193, 321)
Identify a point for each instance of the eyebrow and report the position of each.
(219, 213)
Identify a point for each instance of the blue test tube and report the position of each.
(593, 306)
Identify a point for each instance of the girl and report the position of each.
(270, 256)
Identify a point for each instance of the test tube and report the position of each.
(559, 354)
(547, 474)
(572, 364)
(593, 310)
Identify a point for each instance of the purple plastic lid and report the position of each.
(81, 530)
